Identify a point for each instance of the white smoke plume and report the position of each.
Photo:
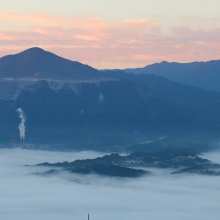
(21, 126)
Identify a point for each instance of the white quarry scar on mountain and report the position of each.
(10, 89)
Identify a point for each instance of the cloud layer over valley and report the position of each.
(26, 196)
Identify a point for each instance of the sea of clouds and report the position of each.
(25, 196)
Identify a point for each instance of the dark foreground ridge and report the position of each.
(114, 165)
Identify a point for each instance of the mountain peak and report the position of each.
(45, 65)
(36, 51)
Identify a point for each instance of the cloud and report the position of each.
(47, 20)
(138, 22)
(213, 156)
(162, 196)
(110, 44)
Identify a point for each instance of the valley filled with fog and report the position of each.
(25, 195)
(54, 111)
(109, 110)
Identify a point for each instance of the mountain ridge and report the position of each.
(205, 75)
(97, 106)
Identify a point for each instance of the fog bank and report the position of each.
(162, 196)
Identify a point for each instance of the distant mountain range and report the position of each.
(205, 75)
(70, 102)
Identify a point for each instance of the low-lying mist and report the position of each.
(25, 195)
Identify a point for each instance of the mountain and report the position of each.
(165, 87)
(110, 104)
(80, 107)
(40, 64)
(197, 103)
(97, 115)
(205, 75)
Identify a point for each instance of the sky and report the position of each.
(113, 34)
(24, 196)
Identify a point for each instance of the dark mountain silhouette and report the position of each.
(70, 102)
(111, 106)
(125, 104)
(205, 75)
(38, 63)
(164, 86)
(197, 103)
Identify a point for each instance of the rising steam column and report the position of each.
(21, 126)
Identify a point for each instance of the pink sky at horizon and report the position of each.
(112, 42)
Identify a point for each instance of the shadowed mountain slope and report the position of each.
(195, 102)
(118, 106)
